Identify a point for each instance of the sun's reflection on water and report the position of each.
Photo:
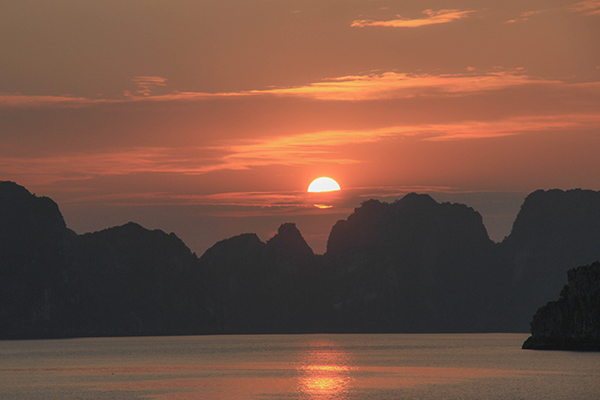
(324, 372)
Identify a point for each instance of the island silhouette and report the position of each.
(414, 265)
(573, 321)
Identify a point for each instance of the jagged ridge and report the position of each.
(573, 321)
(414, 265)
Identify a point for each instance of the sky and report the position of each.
(210, 118)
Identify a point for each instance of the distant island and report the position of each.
(573, 321)
(414, 265)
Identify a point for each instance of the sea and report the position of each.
(315, 367)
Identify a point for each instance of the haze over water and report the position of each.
(444, 366)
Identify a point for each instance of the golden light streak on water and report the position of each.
(325, 372)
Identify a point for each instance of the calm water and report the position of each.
(318, 367)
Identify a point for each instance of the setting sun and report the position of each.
(323, 184)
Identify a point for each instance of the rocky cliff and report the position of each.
(272, 287)
(554, 231)
(414, 265)
(36, 270)
(122, 281)
(134, 281)
(573, 321)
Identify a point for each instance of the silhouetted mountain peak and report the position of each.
(377, 225)
(555, 231)
(568, 220)
(414, 265)
(127, 228)
(10, 189)
(288, 228)
(245, 240)
(416, 200)
(233, 252)
(133, 227)
(289, 240)
(542, 211)
(369, 208)
(34, 261)
(25, 211)
(132, 237)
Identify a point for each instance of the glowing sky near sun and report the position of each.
(210, 119)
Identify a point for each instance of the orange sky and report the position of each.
(210, 118)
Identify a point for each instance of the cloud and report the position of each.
(377, 86)
(223, 204)
(511, 126)
(588, 8)
(8, 100)
(432, 17)
(72, 149)
(525, 16)
(283, 199)
(115, 162)
(400, 85)
(314, 148)
(256, 203)
(327, 146)
(303, 149)
(373, 86)
(145, 85)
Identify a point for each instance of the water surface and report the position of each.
(317, 367)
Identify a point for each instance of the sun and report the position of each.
(323, 184)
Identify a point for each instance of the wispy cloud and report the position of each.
(145, 85)
(373, 86)
(525, 16)
(384, 85)
(319, 147)
(431, 18)
(144, 89)
(303, 149)
(191, 148)
(256, 203)
(225, 204)
(588, 7)
(311, 148)
(123, 161)
(225, 199)
(30, 101)
(401, 85)
(511, 126)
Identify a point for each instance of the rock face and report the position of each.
(288, 249)
(272, 287)
(554, 231)
(36, 270)
(412, 266)
(121, 281)
(572, 322)
(140, 282)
